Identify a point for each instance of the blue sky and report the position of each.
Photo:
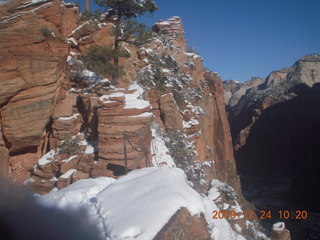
(240, 39)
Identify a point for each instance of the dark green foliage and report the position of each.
(153, 79)
(46, 31)
(99, 60)
(160, 79)
(86, 16)
(157, 78)
(128, 8)
(183, 154)
(170, 62)
(69, 146)
(134, 32)
(228, 191)
(125, 9)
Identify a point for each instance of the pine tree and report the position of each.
(125, 9)
(98, 59)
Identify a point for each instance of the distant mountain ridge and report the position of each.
(275, 126)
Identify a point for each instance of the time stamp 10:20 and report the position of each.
(282, 214)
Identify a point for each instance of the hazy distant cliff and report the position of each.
(275, 128)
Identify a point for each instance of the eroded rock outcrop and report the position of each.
(124, 128)
(279, 232)
(53, 135)
(33, 51)
(188, 106)
(275, 128)
(182, 225)
(279, 88)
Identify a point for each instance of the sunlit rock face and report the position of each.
(38, 112)
(33, 53)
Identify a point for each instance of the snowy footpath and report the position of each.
(137, 206)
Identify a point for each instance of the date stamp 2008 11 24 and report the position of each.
(263, 214)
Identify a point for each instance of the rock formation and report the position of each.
(279, 232)
(60, 123)
(184, 226)
(40, 114)
(33, 54)
(275, 128)
(262, 100)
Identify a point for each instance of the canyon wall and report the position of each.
(275, 128)
(33, 50)
(41, 114)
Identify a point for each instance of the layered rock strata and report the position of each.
(124, 132)
(188, 108)
(33, 51)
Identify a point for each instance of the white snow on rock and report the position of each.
(279, 226)
(159, 150)
(190, 123)
(163, 23)
(32, 2)
(69, 159)
(193, 55)
(47, 158)
(73, 41)
(220, 228)
(79, 27)
(68, 173)
(69, 118)
(89, 150)
(144, 115)
(135, 100)
(78, 194)
(138, 205)
(132, 100)
(141, 203)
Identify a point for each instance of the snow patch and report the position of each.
(138, 205)
(69, 159)
(144, 115)
(69, 118)
(32, 2)
(190, 123)
(149, 198)
(47, 158)
(68, 173)
(160, 152)
(279, 226)
(78, 193)
(89, 150)
(73, 41)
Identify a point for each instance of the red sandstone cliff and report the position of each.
(37, 113)
(54, 132)
(33, 52)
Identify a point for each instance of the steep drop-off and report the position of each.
(275, 127)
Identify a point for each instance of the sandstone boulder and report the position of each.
(279, 232)
(182, 225)
(65, 179)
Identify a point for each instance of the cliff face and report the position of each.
(249, 100)
(60, 122)
(275, 128)
(38, 114)
(33, 52)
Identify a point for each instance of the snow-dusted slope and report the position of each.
(138, 205)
